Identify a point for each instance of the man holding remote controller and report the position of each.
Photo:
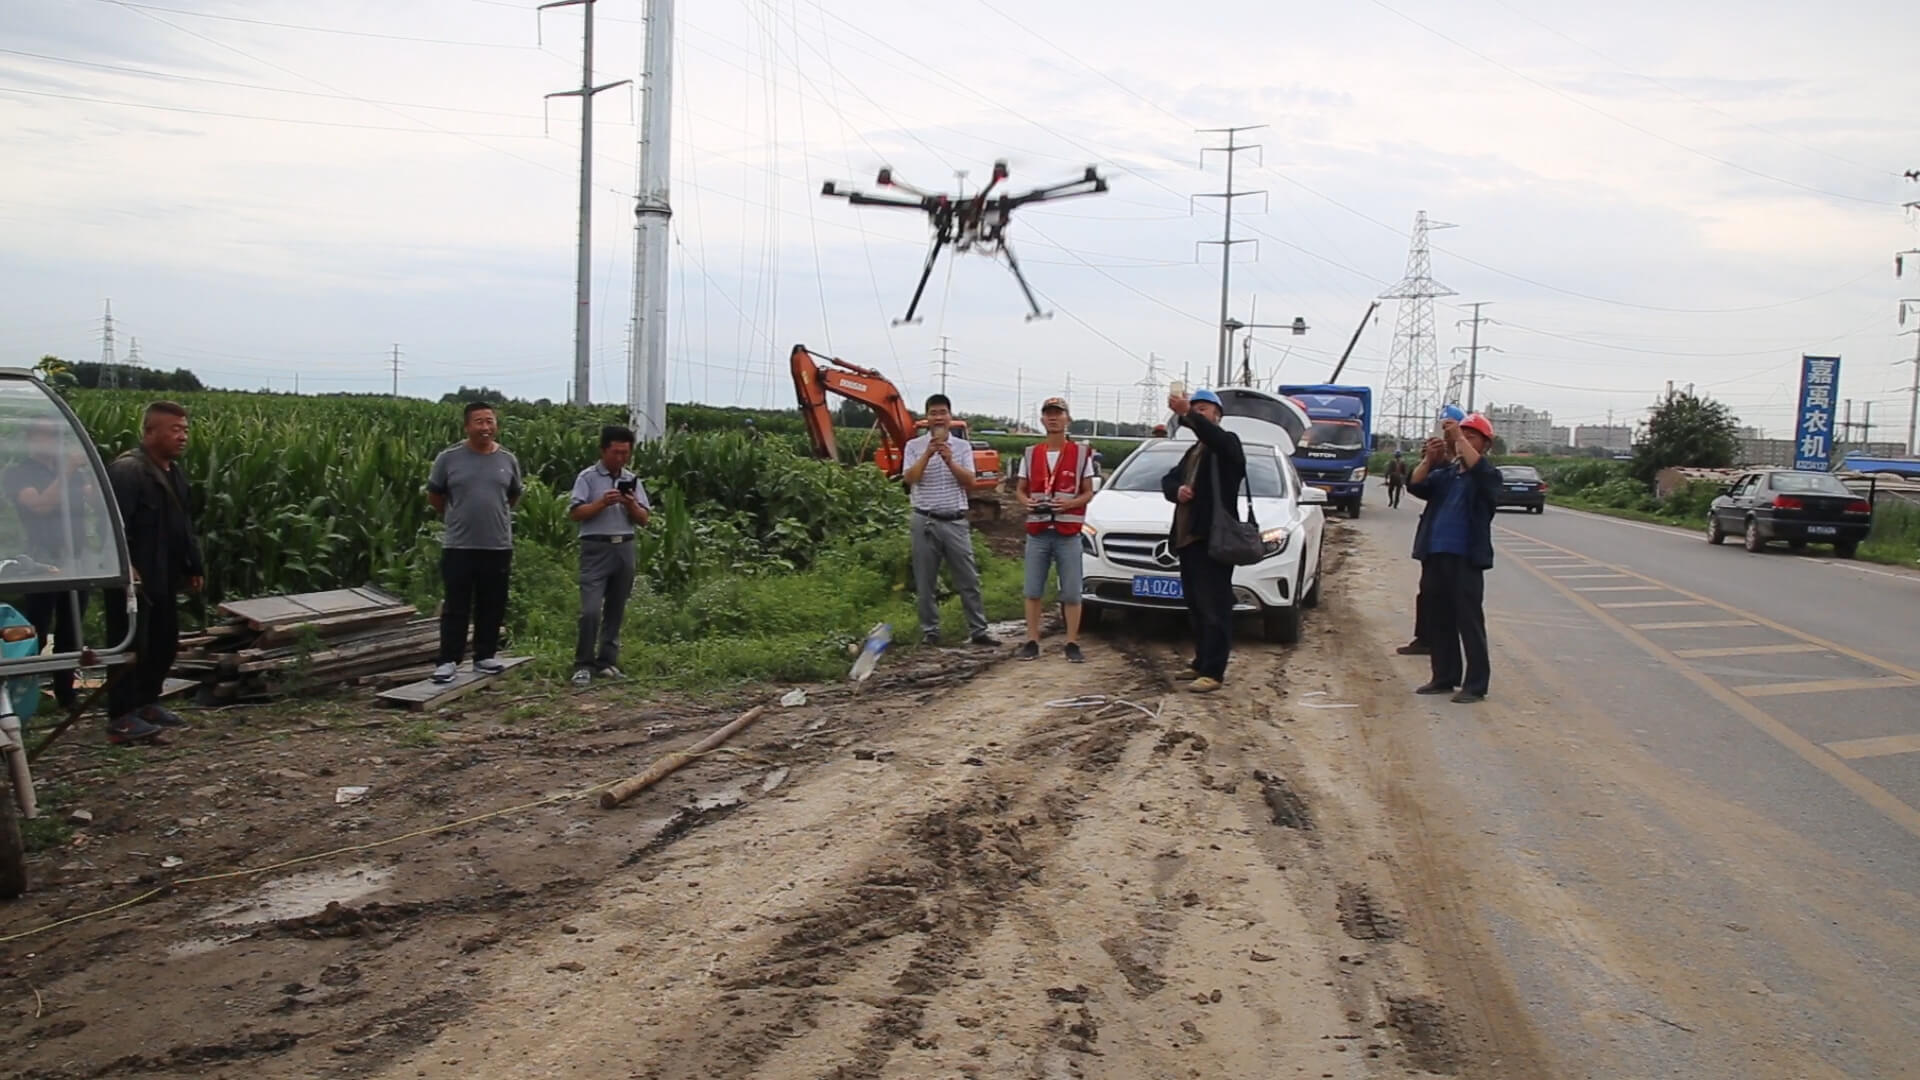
(1056, 484)
(608, 502)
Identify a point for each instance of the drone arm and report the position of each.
(1014, 265)
(926, 271)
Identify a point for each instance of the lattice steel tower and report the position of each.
(1414, 383)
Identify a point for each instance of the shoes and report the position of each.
(931, 638)
(610, 672)
(1187, 674)
(582, 678)
(489, 666)
(443, 673)
(1074, 655)
(1415, 648)
(1467, 697)
(159, 717)
(1205, 684)
(1434, 688)
(130, 729)
(1029, 651)
(984, 639)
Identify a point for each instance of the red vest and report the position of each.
(1062, 482)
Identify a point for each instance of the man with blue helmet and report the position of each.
(1207, 480)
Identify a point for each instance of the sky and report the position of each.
(276, 194)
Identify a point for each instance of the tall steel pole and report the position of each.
(1913, 406)
(647, 370)
(1474, 350)
(1233, 148)
(583, 271)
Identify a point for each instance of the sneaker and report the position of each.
(1434, 688)
(489, 666)
(582, 678)
(1467, 697)
(1074, 655)
(985, 639)
(931, 638)
(1029, 651)
(159, 717)
(443, 673)
(1205, 684)
(611, 672)
(130, 729)
(1414, 648)
(1187, 674)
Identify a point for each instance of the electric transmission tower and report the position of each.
(1152, 393)
(109, 375)
(1413, 367)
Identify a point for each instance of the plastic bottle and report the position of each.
(1454, 413)
(877, 641)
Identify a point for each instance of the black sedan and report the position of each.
(1798, 507)
(1520, 485)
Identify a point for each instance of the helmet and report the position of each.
(1478, 422)
(1207, 396)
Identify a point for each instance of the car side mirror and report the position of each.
(1728, 490)
(1313, 497)
(1097, 482)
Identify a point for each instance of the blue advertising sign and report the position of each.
(1813, 434)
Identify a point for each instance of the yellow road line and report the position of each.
(1869, 792)
(1613, 588)
(1880, 747)
(1747, 650)
(1704, 624)
(1654, 603)
(1822, 686)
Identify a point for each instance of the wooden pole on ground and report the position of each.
(659, 770)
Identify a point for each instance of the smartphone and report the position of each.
(626, 487)
(939, 434)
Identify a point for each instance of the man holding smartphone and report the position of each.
(607, 502)
(939, 474)
(1055, 487)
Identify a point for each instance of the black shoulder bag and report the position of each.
(1235, 542)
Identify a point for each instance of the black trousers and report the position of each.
(1393, 494)
(156, 642)
(476, 583)
(1208, 586)
(52, 616)
(1423, 604)
(1459, 624)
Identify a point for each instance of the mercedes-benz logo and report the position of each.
(1163, 555)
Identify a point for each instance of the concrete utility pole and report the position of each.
(1233, 148)
(1473, 351)
(396, 369)
(583, 273)
(1019, 397)
(1913, 405)
(647, 368)
(944, 363)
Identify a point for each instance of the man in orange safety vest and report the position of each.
(1056, 484)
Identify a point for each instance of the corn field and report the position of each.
(298, 493)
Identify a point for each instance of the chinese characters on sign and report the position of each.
(1819, 383)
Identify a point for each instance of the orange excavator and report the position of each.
(816, 376)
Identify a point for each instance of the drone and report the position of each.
(976, 222)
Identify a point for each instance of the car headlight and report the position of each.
(1359, 473)
(1088, 537)
(1275, 540)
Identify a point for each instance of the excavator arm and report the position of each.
(813, 381)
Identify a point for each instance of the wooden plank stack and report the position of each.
(272, 646)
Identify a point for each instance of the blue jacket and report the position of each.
(1485, 481)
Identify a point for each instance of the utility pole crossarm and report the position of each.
(1233, 150)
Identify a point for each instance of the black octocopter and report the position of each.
(976, 222)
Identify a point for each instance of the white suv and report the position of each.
(1129, 562)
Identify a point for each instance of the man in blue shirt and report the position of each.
(1459, 551)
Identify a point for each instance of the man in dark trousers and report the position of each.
(1460, 550)
(607, 502)
(474, 485)
(151, 489)
(1422, 643)
(1396, 479)
(1212, 472)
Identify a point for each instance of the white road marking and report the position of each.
(1656, 603)
(1880, 747)
(1750, 650)
(1706, 624)
(1619, 588)
(1823, 686)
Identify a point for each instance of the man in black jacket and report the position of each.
(1460, 551)
(1216, 459)
(152, 492)
(1422, 643)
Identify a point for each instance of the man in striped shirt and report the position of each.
(939, 473)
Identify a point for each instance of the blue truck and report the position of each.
(1332, 453)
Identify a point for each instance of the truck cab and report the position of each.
(1332, 453)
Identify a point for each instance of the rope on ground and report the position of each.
(1098, 701)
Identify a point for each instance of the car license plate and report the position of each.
(1517, 487)
(1158, 588)
(1822, 530)
(1322, 487)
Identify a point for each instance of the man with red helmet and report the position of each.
(1056, 484)
(1461, 495)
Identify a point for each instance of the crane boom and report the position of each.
(1371, 308)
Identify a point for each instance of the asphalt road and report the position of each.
(1691, 805)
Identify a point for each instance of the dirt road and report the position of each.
(960, 873)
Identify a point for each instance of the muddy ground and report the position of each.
(960, 872)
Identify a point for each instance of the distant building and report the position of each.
(1778, 453)
(1562, 437)
(1615, 437)
(1522, 428)
(1749, 433)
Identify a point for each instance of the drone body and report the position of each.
(976, 222)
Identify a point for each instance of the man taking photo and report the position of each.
(1056, 484)
(939, 474)
(151, 489)
(474, 485)
(607, 502)
(1209, 477)
(1459, 552)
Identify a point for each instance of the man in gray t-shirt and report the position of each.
(474, 486)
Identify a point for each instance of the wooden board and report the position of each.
(427, 694)
(266, 611)
(281, 633)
